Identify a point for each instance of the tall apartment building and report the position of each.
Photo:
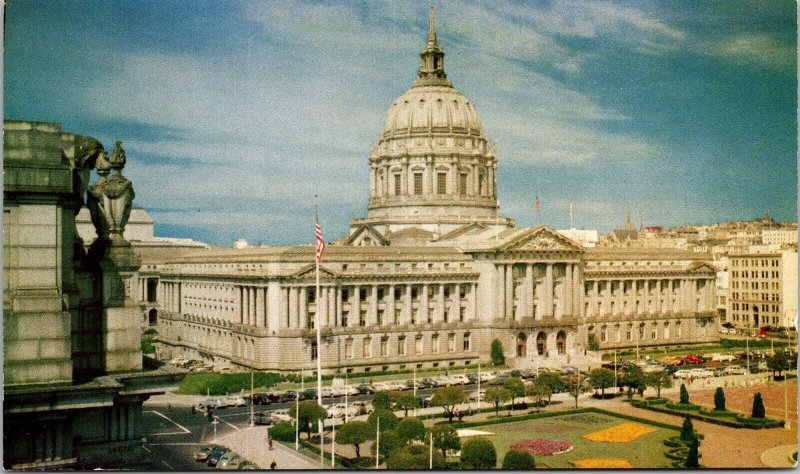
(763, 289)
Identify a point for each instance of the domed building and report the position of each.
(433, 168)
(432, 276)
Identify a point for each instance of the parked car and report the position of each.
(681, 374)
(202, 454)
(473, 396)
(361, 407)
(701, 373)
(225, 459)
(723, 357)
(365, 389)
(281, 415)
(263, 418)
(235, 401)
(212, 403)
(734, 370)
(216, 453)
(349, 390)
(692, 359)
(459, 379)
(426, 383)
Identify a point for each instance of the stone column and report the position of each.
(372, 316)
(528, 292)
(423, 305)
(259, 320)
(476, 190)
(390, 306)
(404, 178)
(548, 292)
(577, 288)
(339, 302)
(439, 314)
(500, 293)
(405, 317)
(566, 291)
(294, 309)
(473, 302)
(355, 307)
(321, 305)
(509, 291)
(455, 305)
(283, 304)
(303, 305)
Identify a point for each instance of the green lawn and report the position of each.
(647, 451)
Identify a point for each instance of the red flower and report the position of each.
(543, 447)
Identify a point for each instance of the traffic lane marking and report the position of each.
(183, 428)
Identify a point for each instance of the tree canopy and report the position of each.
(355, 433)
(445, 437)
(308, 413)
(497, 353)
(497, 395)
(448, 398)
(515, 387)
(411, 429)
(517, 459)
(388, 420)
(414, 456)
(405, 401)
(601, 379)
(658, 380)
(478, 453)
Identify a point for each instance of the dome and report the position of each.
(431, 109)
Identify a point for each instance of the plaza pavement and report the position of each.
(252, 444)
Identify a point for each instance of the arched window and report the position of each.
(541, 343)
(522, 345)
(561, 342)
(152, 317)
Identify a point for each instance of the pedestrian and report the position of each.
(273, 465)
(270, 444)
(193, 410)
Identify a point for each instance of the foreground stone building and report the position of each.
(74, 380)
(433, 274)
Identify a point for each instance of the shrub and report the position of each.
(518, 459)
(478, 453)
(411, 428)
(381, 400)
(497, 353)
(355, 433)
(758, 406)
(684, 394)
(719, 399)
(687, 430)
(282, 432)
(693, 457)
(445, 437)
(389, 443)
(414, 456)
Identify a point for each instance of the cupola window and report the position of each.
(418, 184)
(441, 183)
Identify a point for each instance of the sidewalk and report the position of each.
(780, 456)
(251, 444)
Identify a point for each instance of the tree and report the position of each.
(445, 437)
(497, 395)
(778, 363)
(539, 393)
(388, 420)
(282, 431)
(390, 442)
(687, 430)
(633, 378)
(658, 380)
(758, 406)
(576, 383)
(355, 433)
(497, 353)
(307, 415)
(414, 456)
(601, 379)
(411, 428)
(684, 394)
(550, 380)
(517, 459)
(405, 401)
(448, 398)
(478, 453)
(693, 456)
(719, 399)
(515, 388)
(382, 400)
(592, 343)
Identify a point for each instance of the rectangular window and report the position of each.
(397, 184)
(348, 348)
(462, 184)
(367, 351)
(362, 318)
(451, 343)
(418, 345)
(435, 343)
(441, 183)
(482, 183)
(384, 346)
(313, 351)
(401, 345)
(467, 342)
(418, 184)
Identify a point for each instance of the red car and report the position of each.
(692, 359)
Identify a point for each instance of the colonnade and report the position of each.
(382, 177)
(630, 296)
(536, 291)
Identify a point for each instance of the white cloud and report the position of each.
(759, 49)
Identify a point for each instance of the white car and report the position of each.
(723, 357)
(281, 415)
(701, 373)
(349, 390)
(381, 387)
(734, 370)
(460, 379)
(236, 401)
(475, 395)
(682, 374)
(487, 376)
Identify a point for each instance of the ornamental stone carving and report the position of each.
(110, 199)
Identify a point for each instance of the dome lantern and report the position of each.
(431, 59)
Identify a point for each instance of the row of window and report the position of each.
(764, 307)
(765, 285)
(756, 274)
(745, 295)
(745, 318)
(604, 336)
(755, 262)
(441, 183)
(401, 349)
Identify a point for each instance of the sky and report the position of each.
(234, 114)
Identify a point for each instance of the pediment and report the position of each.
(309, 271)
(366, 236)
(702, 267)
(538, 239)
(466, 229)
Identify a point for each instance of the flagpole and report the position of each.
(316, 317)
(333, 442)
(297, 423)
(430, 452)
(377, 441)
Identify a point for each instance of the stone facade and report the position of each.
(432, 275)
(72, 364)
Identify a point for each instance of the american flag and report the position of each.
(538, 205)
(320, 241)
(498, 204)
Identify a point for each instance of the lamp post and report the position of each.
(252, 414)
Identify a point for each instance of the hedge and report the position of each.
(736, 420)
(548, 414)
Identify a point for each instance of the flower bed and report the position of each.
(602, 463)
(624, 433)
(543, 447)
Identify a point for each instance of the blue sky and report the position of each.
(234, 114)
